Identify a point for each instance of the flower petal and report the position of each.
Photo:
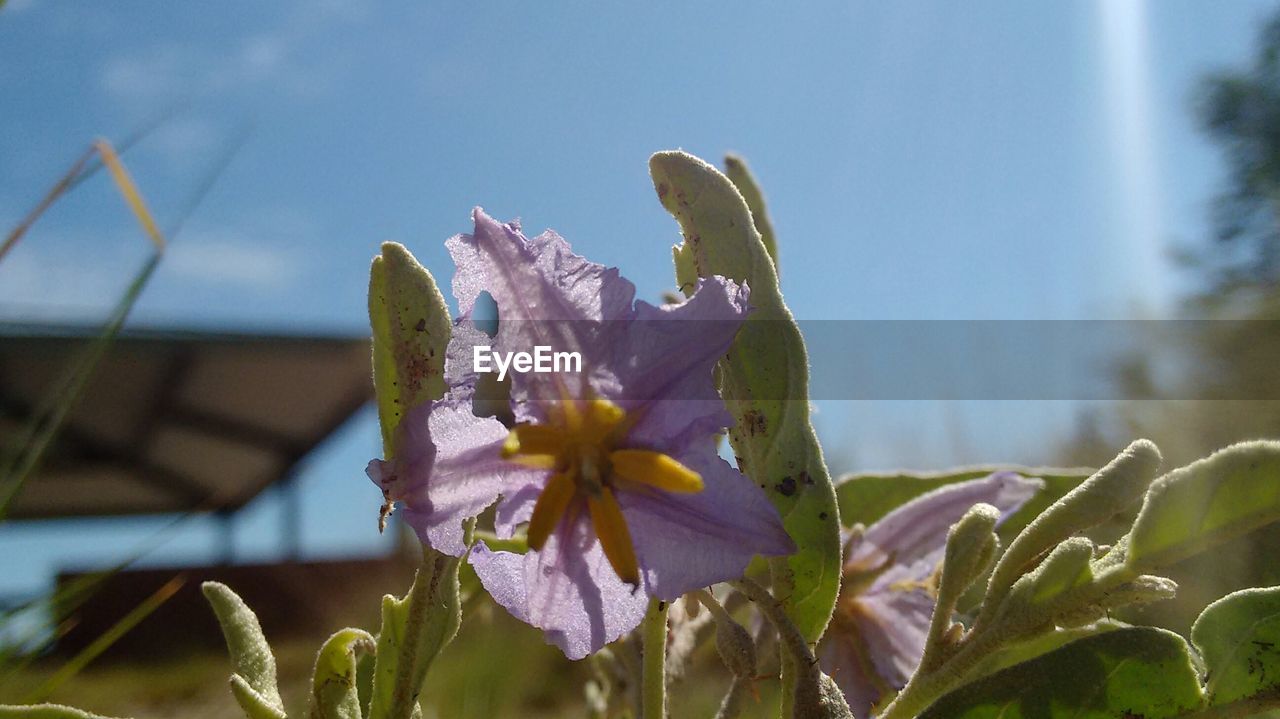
(450, 469)
(894, 624)
(568, 589)
(687, 541)
(664, 367)
(917, 531)
(546, 296)
(538, 279)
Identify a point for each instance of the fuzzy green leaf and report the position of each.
(1066, 568)
(251, 656)
(333, 684)
(1039, 645)
(414, 631)
(1189, 510)
(411, 330)
(253, 704)
(1107, 493)
(1132, 672)
(735, 168)
(1239, 638)
(765, 378)
(45, 711)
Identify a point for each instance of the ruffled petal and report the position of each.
(917, 531)
(568, 590)
(546, 296)
(449, 469)
(687, 541)
(894, 625)
(668, 343)
(539, 279)
(664, 367)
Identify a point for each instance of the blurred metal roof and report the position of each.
(177, 421)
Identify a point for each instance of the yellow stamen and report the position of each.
(656, 470)
(601, 419)
(534, 461)
(577, 442)
(533, 439)
(615, 538)
(550, 508)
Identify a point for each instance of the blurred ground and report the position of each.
(497, 667)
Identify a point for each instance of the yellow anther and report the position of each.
(615, 538)
(550, 507)
(577, 443)
(533, 439)
(656, 470)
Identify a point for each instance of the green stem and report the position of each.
(426, 587)
(653, 673)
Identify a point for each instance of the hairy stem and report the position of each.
(423, 595)
(653, 672)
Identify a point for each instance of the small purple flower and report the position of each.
(614, 469)
(889, 586)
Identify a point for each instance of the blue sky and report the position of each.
(923, 160)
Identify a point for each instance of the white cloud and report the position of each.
(45, 280)
(160, 73)
(231, 259)
(168, 72)
(262, 56)
(266, 59)
(183, 141)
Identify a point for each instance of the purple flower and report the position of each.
(613, 468)
(889, 586)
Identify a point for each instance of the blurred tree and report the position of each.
(1225, 345)
(1241, 111)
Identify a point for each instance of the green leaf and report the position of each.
(251, 656)
(1066, 568)
(1238, 637)
(735, 168)
(45, 711)
(253, 704)
(765, 378)
(865, 498)
(333, 685)
(1132, 672)
(1107, 493)
(1039, 645)
(411, 330)
(1225, 495)
(970, 550)
(414, 630)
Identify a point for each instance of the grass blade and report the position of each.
(104, 642)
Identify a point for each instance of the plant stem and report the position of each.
(421, 596)
(653, 672)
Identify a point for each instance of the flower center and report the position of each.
(580, 445)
